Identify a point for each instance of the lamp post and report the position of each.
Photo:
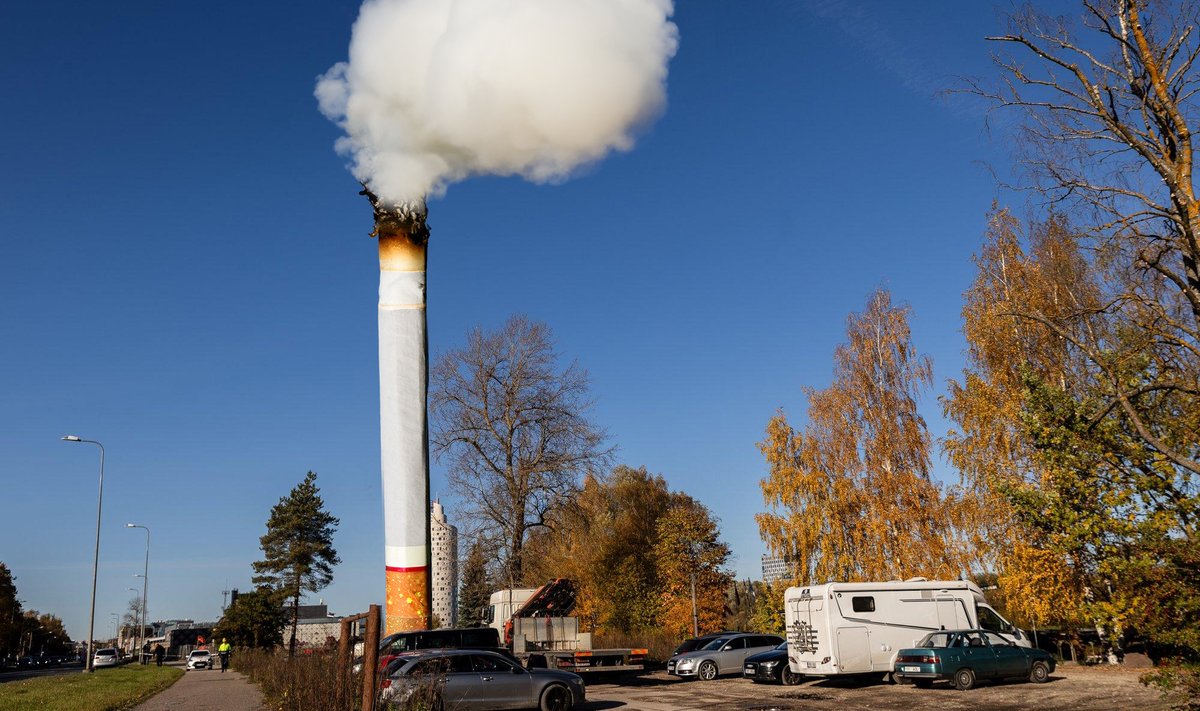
(87, 667)
(116, 620)
(145, 583)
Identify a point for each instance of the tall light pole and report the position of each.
(145, 583)
(91, 652)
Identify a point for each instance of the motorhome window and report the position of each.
(863, 603)
(989, 620)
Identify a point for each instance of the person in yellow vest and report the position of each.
(223, 652)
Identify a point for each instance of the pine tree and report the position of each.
(298, 548)
(476, 588)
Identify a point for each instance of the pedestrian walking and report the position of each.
(159, 653)
(223, 652)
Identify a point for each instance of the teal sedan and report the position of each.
(967, 656)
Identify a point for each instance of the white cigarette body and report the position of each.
(403, 427)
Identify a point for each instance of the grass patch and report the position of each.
(109, 689)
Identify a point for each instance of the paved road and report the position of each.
(19, 674)
(208, 690)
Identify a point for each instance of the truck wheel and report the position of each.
(707, 671)
(787, 677)
(1040, 673)
(964, 679)
(556, 698)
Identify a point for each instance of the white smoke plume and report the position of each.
(438, 90)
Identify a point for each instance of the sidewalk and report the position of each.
(207, 690)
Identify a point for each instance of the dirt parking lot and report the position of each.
(1070, 687)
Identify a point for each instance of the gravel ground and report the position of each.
(1070, 687)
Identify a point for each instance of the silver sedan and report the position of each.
(476, 680)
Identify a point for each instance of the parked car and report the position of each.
(771, 666)
(723, 655)
(105, 658)
(199, 659)
(967, 656)
(478, 679)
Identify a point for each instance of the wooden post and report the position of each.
(345, 665)
(371, 659)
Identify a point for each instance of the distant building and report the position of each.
(775, 568)
(443, 539)
(315, 626)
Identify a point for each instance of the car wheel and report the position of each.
(707, 671)
(556, 698)
(1040, 673)
(787, 677)
(964, 679)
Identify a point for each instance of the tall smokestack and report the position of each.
(437, 91)
(403, 425)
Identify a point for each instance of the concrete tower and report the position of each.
(443, 540)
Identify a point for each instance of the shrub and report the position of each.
(300, 683)
(1179, 682)
(658, 643)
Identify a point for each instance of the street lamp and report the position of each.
(87, 667)
(145, 582)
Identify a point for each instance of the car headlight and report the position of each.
(686, 662)
(768, 665)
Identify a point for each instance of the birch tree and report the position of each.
(514, 431)
(1107, 136)
(849, 495)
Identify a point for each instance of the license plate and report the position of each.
(810, 665)
(910, 669)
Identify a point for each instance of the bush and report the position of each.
(300, 683)
(1179, 682)
(658, 643)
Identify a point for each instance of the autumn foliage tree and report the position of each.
(608, 540)
(850, 496)
(1108, 459)
(690, 555)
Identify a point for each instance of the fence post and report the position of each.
(344, 666)
(371, 659)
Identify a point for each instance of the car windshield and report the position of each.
(781, 647)
(716, 643)
(106, 653)
(199, 654)
(936, 640)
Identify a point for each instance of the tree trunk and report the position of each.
(295, 624)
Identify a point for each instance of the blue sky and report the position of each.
(187, 276)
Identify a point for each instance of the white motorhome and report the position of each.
(857, 628)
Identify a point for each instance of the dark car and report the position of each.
(693, 643)
(486, 638)
(468, 679)
(967, 656)
(771, 666)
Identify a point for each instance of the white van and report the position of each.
(857, 628)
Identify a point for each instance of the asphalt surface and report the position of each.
(208, 690)
(20, 674)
